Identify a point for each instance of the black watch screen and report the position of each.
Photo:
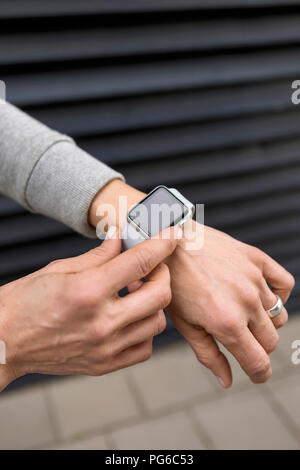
(157, 211)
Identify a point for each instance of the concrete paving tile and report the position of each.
(287, 392)
(244, 420)
(92, 443)
(288, 334)
(86, 403)
(169, 432)
(24, 421)
(172, 376)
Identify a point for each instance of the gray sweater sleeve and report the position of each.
(46, 172)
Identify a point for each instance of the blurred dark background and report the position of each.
(195, 94)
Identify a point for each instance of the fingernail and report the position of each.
(178, 232)
(111, 232)
(221, 382)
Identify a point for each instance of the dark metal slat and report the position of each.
(36, 8)
(120, 115)
(212, 165)
(148, 39)
(26, 89)
(22, 258)
(163, 142)
(243, 188)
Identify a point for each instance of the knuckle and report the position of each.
(273, 343)
(169, 242)
(143, 261)
(101, 352)
(146, 353)
(107, 352)
(256, 253)
(204, 359)
(250, 295)
(280, 324)
(160, 324)
(208, 359)
(58, 264)
(261, 368)
(95, 371)
(165, 272)
(290, 281)
(165, 296)
(281, 320)
(96, 335)
(253, 302)
(98, 252)
(103, 331)
(250, 303)
(55, 262)
(165, 242)
(82, 293)
(229, 325)
(256, 276)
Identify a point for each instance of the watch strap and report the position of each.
(130, 237)
(184, 200)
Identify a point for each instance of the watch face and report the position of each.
(159, 210)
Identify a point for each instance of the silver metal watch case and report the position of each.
(133, 234)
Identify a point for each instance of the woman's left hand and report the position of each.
(221, 291)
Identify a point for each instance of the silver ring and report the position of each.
(277, 309)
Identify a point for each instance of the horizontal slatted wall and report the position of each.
(194, 94)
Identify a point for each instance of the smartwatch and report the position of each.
(162, 208)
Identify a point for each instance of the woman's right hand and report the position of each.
(68, 318)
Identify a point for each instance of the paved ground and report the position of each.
(170, 402)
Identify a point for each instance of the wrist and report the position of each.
(189, 245)
(5, 371)
(5, 377)
(10, 366)
(112, 203)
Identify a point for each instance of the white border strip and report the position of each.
(2, 352)
(2, 90)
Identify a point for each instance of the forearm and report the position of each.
(46, 172)
(114, 194)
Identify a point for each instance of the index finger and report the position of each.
(149, 298)
(281, 281)
(139, 261)
(251, 356)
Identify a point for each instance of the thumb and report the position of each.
(109, 249)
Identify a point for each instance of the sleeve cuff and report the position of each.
(64, 183)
